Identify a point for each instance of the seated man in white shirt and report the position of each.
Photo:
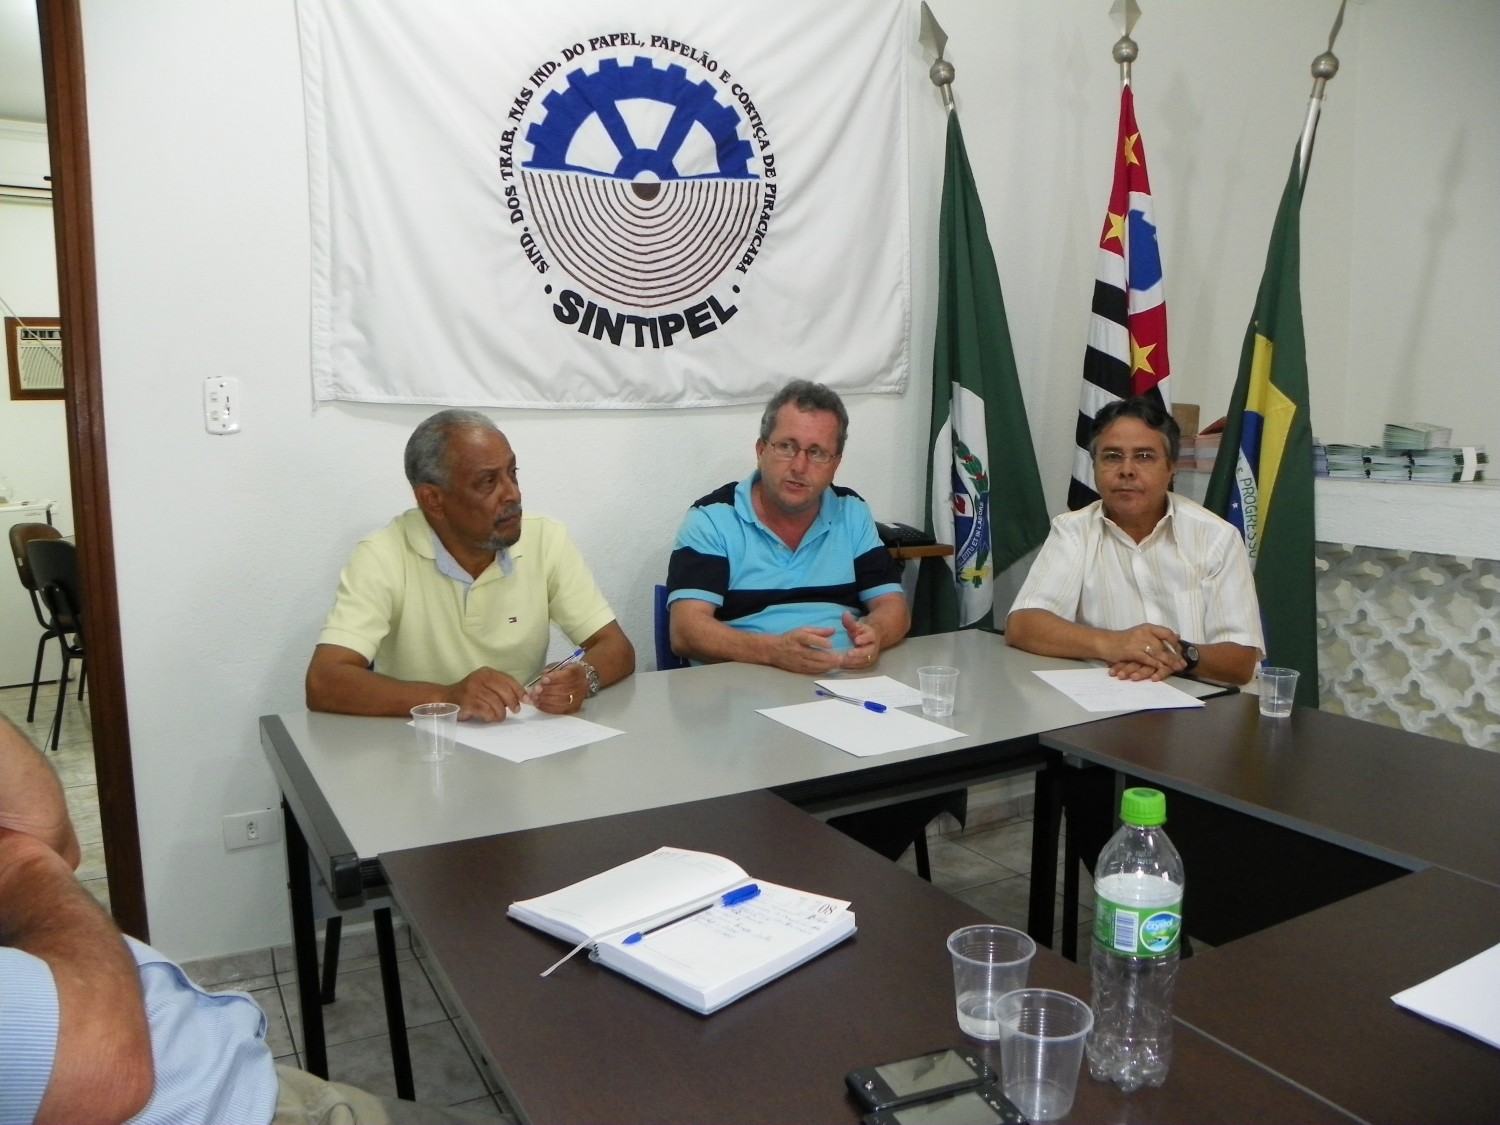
(452, 601)
(1150, 582)
(1145, 580)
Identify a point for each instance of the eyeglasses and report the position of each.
(788, 450)
(1143, 459)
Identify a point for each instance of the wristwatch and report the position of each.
(1189, 653)
(593, 677)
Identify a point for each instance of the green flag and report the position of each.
(979, 422)
(1263, 478)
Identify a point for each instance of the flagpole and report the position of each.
(942, 77)
(1324, 67)
(1125, 52)
(1125, 12)
(935, 39)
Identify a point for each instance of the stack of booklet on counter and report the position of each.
(1415, 435)
(691, 925)
(1410, 451)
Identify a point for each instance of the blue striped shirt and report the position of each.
(208, 1049)
(727, 556)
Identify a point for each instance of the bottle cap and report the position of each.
(1144, 808)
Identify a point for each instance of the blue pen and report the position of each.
(729, 898)
(576, 655)
(867, 704)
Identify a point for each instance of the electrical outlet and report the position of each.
(250, 829)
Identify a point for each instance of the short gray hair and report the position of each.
(807, 396)
(1144, 410)
(427, 448)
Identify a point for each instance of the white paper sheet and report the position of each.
(1463, 997)
(877, 689)
(531, 734)
(1094, 689)
(857, 731)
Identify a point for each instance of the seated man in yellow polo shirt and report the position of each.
(452, 600)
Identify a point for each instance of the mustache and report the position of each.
(509, 512)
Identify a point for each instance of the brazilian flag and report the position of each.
(979, 429)
(1263, 478)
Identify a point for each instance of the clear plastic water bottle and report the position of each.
(1137, 934)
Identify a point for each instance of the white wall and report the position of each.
(33, 437)
(228, 547)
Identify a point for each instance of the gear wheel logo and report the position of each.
(606, 114)
(643, 186)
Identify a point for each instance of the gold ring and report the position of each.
(570, 700)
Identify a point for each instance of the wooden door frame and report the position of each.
(61, 25)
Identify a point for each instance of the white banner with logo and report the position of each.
(606, 204)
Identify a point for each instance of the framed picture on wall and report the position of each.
(33, 356)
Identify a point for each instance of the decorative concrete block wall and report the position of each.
(1411, 639)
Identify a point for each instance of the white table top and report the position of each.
(690, 734)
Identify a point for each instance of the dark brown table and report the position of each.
(1343, 804)
(1310, 999)
(588, 1045)
(1396, 796)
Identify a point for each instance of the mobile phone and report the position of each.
(979, 1105)
(918, 1079)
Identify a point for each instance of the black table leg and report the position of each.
(305, 946)
(395, 1010)
(333, 931)
(1070, 887)
(1046, 814)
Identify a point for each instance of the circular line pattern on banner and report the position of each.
(648, 252)
(639, 182)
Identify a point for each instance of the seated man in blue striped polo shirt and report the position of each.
(95, 1026)
(786, 568)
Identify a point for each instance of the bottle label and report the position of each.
(1152, 931)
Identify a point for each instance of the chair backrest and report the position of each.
(20, 535)
(665, 657)
(54, 566)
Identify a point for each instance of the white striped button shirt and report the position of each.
(1191, 574)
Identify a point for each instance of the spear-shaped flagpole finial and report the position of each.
(1125, 13)
(1324, 67)
(935, 39)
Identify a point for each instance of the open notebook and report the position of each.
(661, 920)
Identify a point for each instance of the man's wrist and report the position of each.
(591, 674)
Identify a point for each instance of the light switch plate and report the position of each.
(221, 404)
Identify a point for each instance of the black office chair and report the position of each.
(54, 567)
(20, 535)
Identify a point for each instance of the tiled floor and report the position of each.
(987, 866)
(445, 1071)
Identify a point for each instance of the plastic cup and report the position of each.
(1041, 1049)
(437, 726)
(939, 685)
(1277, 687)
(988, 962)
